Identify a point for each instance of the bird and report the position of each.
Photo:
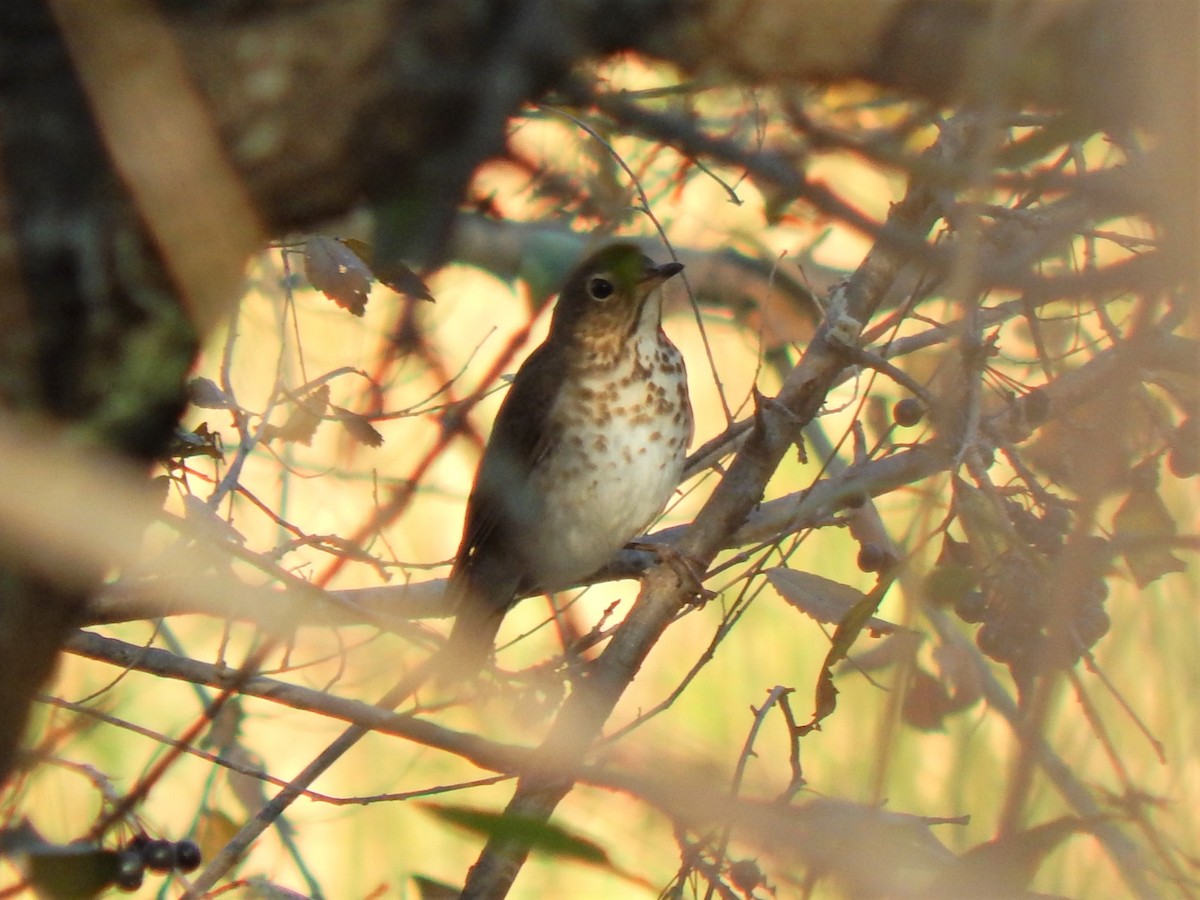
(587, 448)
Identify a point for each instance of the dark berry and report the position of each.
(908, 412)
(994, 642)
(1022, 649)
(1095, 592)
(1035, 531)
(187, 856)
(1038, 532)
(1046, 540)
(1058, 518)
(159, 856)
(746, 875)
(1091, 624)
(971, 607)
(926, 702)
(1022, 519)
(874, 557)
(1056, 653)
(1094, 555)
(131, 871)
(1184, 460)
(1014, 589)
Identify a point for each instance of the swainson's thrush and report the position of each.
(586, 450)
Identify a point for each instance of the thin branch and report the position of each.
(584, 712)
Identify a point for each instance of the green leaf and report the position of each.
(530, 832)
(989, 531)
(848, 630)
(949, 582)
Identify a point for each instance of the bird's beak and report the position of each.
(656, 275)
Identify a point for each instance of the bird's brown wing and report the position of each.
(489, 568)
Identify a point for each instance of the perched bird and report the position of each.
(586, 450)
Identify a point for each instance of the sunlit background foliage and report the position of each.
(1066, 522)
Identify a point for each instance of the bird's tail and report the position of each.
(481, 605)
(469, 645)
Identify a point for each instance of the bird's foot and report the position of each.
(688, 570)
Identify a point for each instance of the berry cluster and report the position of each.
(1021, 623)
(1022, 628)
(157, 855)
(1044, 533)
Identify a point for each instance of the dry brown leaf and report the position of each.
(958, 668)
(201, 442)
(302, 424)
(337, 272)
(894, 649)
(358, 427)
(825, 600)
(395, 275)
(1143, 526)
(203, 392)
(1090, 448)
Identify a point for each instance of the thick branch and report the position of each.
(663, 594)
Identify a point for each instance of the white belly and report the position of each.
(627, 467)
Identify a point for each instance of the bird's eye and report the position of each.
(600, 288)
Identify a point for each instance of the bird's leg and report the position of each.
(687, 569)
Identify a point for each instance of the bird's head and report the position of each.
(610, 296)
